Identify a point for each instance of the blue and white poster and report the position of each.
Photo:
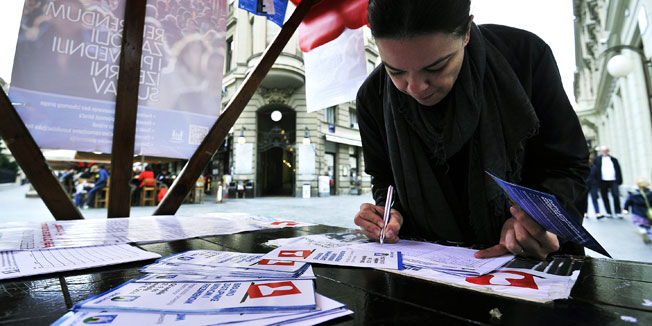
(64, 81)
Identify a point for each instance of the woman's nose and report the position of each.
(416, 85)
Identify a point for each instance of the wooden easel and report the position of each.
(30, 158)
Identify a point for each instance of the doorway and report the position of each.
(276, 156)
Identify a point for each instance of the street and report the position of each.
(618, 236)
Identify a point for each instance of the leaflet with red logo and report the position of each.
(339, 256)
(226, 264)
(201, 298)
(526, 279)
(327, 309)
(176, 275)
(233, 260)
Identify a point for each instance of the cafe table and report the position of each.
(607, 292)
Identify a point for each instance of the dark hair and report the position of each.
(408, 18)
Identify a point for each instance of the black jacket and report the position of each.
(597, 171)
(637, 202)
(555, 160)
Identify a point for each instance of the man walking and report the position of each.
(608, 173)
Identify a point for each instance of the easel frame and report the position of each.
(30, 158)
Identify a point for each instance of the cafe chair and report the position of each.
(148, 193)
(102, 196)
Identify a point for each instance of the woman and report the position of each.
(638, 202)
(450, 101)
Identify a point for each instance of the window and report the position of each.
(229, 54)
(353, 119)
(329, 115)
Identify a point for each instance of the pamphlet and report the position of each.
(202, 298)
(339, 256)
(547, 211)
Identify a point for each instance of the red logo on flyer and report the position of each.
(275, 289)
(276, 262)
(287, 223)
(295, 253)
(501, 278)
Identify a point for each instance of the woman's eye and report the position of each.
(394, 73)
(435, 70)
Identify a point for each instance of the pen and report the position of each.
(388, 207)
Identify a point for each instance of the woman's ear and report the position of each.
(468, 31)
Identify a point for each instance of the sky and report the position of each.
(552, 20)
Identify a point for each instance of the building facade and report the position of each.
(615, 111)
(276, 146)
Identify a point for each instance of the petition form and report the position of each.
(33, 262)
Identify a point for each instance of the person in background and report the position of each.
(142, 177)
(101, 179)
(450, 101)
(637, 202)
(609, 176)
(593, 185)
(162, 192)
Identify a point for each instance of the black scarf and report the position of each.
(488, 115)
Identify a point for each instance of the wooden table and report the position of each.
(607, 292)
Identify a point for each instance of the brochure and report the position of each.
(201, 298)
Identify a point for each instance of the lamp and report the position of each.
(306, 137)
(276, 116)
(241, 138)
(620, 65)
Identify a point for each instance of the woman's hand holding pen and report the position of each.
(522, 236)
(370, 221)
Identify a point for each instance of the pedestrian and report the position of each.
(450, 101)
(593, 183)
(639, 202)
(609, 176)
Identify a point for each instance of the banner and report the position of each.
(274, 10)
(335, 71)
(64, 80)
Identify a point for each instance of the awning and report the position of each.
(343, 140)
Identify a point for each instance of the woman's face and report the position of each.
(424, 67)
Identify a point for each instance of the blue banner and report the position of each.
(274, 10)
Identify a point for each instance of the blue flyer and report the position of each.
(547, 211)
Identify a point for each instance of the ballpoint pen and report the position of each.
(389, 201)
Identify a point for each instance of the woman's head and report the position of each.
(642, 183)
(406, 19)
(421, 44)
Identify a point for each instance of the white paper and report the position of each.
(229, 259)
(326, 308)
(259, 296)
(335, 71)
(44, 261)
(525, 284)
(415, 253)
(244, 154)
(89, 232)
(309, 274)
(339, 256)
(446, 258)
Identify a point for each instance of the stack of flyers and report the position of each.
(326, 309)
(377, 258)
(227, 265)
(205, 287)
(202, 298)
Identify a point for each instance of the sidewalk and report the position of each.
(618, 236)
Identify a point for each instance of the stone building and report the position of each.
(275, 145)
(613, 44)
